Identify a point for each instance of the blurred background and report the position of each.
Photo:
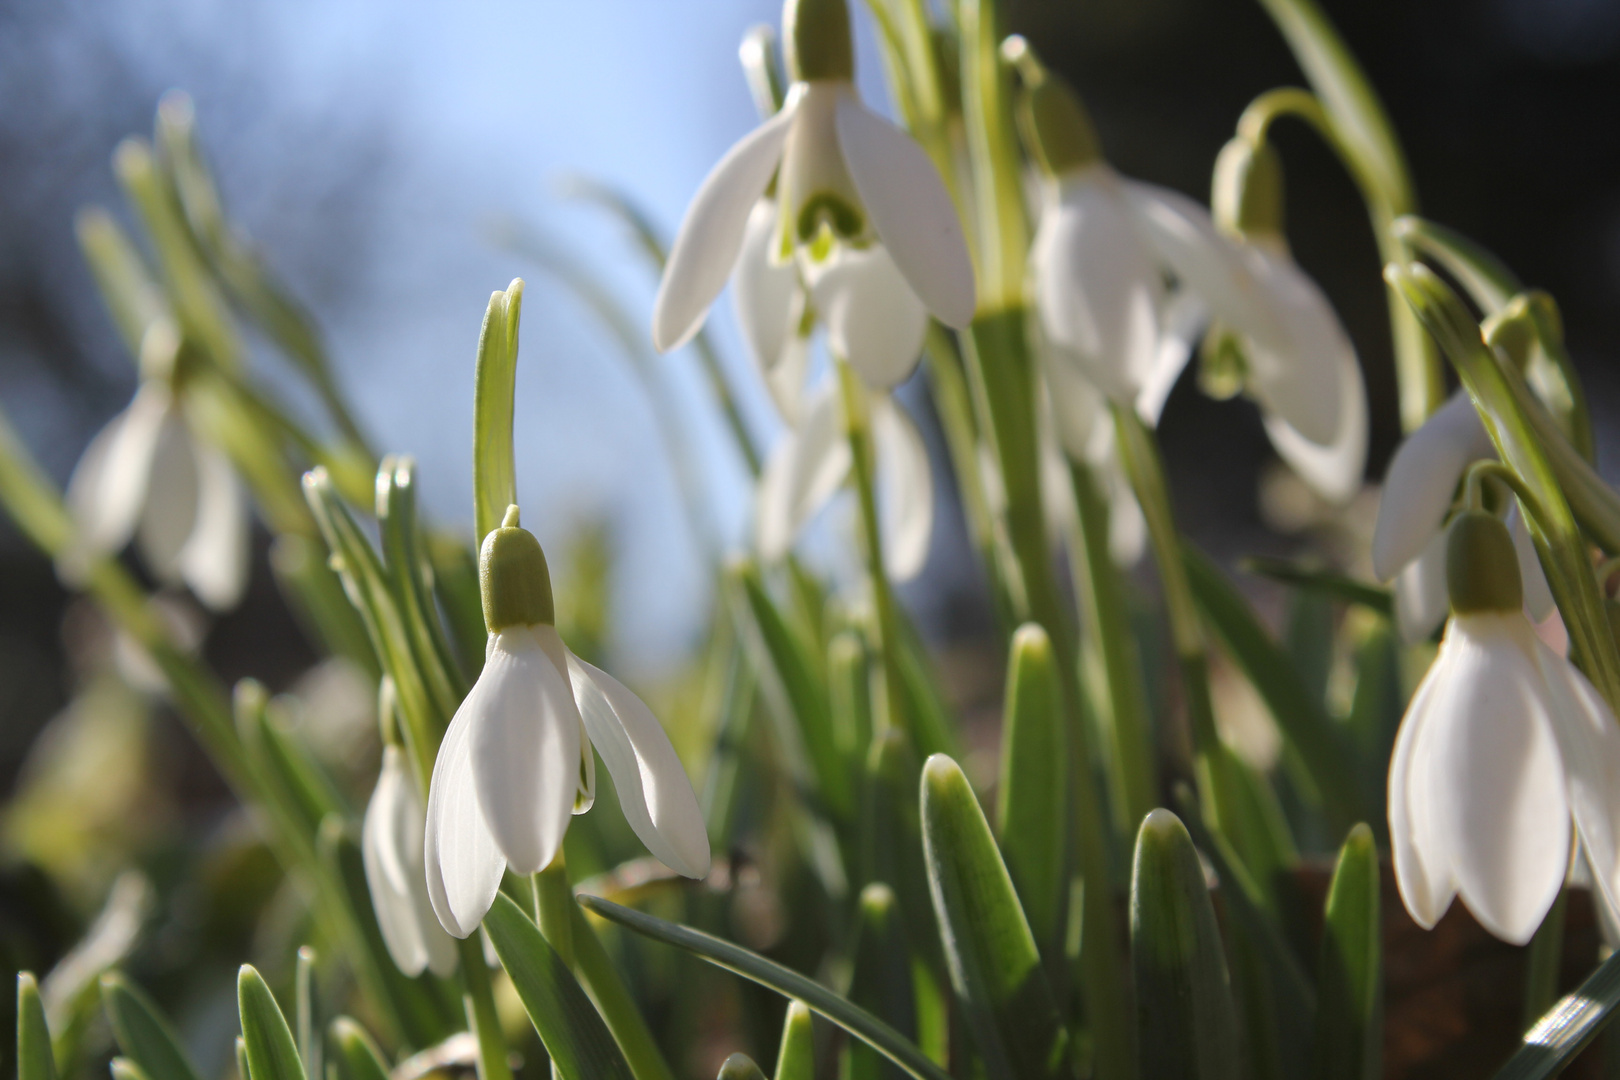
(398, 162)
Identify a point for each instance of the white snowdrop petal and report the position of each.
(1589, 745)
(711, 235)
(383, 832)
(905, 489)
(910, 209)
(462, 863)
(525, 750)
(1538, 597)
(216, 557)
(1204, 261)
(1422, 872)
(873, 318)
(1421, 480)
(654, 791)
(104, 518)
(1079, 410)
(1334, 470)
(1421, 600)
(1184, 320)
(170, 511)
(1298, 375)
(109, 507)
(1127, 528)
(1500, 805)
(763, 291)
(785, 381)
(802, 473)
(1096, 287)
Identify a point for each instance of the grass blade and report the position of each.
(34, 1057)
(355, 1055)
(1348, 1043)
(795, 1060)
(785, 981)
(143, 1032)
(272, 1053)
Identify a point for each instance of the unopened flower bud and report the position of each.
(1055, 125)
(1482, 568)
(819, 46)
(513, 578)
(1247, 195)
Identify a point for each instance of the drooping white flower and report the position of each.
(146, 476)
(1103, 253)
(1502, 747)
(1082, 430)
(1419, 490)
(516, 762)
(391, 851)
(811, 462)
(857, 204)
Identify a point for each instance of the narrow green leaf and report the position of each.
(282, 759)
(494, 383)
(994, 965)
(785, 981)
(1187, 1026)
(891, 849)
(316, 596)
(849, 679)
(795, 1060)
(1302, 719)
(1568, 1027)
(740, 1067)
(124, 1069)
(1488, 279)
(1348, 1043)
(306, 1013)
(579, 1043)
(34, 1057)
(242, 1070)
(354, 1055)
(619, 1011)
(272, 1052)
(1032, 798)
(455, 583)
(122, 277)
(143, 1032)
(408, 572)
(881, 982)
(933, 726)
(1326, 583)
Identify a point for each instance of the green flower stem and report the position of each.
(1003, 376)
(857, 429)
(199, 697)
(612, 999)
(482, 1017)
(1365, 141)
(1505, 407)
(998, 182)
(1111, 641)
(1545, 959)
(906, 39)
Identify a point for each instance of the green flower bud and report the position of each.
(1482, 569)
(1247, 196)
(1055, 126)
(513, 578)
(819, 45)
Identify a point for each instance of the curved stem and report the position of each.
(1481, 471)
(857, 428)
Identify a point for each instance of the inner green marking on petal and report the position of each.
(830, 209)
(1222, 367)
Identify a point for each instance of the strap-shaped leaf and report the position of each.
(570, 1027)
(785, 981)
(881, 981)
(990, 952)
(34, 1058)
(1348, 1044)
(494, 380)
(355, 1055)
(795, 1060)
(739, 1067)
(307, 1013)
(1302, 719)
(1326, 583)
(144, 1034)
(1033, 795)
(1187, 1026)
(272, 1052)
(407, 569)
(1568, 1027)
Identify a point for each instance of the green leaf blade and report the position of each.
(354, 1053)
(1348, 1043)
(34, 1057)
(272, 1052)
(144, 1034)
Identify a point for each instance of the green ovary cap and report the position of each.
(1248, 188)
(1057, 127)
(1482, 568)
(513, 578)
(818, 40)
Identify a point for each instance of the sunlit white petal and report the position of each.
(653, 788)
(706, 247)
(215, 558)
(1538, 597)
(463, 864)
(905, 489)
(1422, 869)
(803, 472)
(1421, 480)
(1294, 374)
(525, 749)
(910, 209)
(765, 291)
(1334, 471)
(1184, 320)
(873, 318)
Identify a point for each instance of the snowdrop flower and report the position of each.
(391, 851)
(146, 476)
(516, 761)
(1502, 747)
(812, 461)
(1104, 250)
(1409, 541)
(857, 205)
(1084, 432)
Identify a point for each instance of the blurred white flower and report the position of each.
(516, 761)
(811, 462)
(146, 476)
(391, 850)
(1082, 431)
(860, 207)
(1420, 487)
